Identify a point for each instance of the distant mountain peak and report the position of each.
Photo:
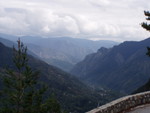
(73, 95)
(124, 67)
(102, 49)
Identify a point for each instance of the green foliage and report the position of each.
(147, 27)
(73, 95)
(145, 87)
(21, 92)
(148, 51)
(144, 24)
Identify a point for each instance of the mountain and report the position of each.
(63, 52)
(123, 68)
(10, 44)
(73, 95)
(7, 43)
(143, 88)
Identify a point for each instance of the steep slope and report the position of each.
(62, 52)
(10, 44)
(73, 95)
(123, 68)
(7, 43)
(143, 88)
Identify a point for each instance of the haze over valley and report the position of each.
(60, 56)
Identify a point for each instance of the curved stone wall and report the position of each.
(124, 103)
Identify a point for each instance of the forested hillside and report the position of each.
(73, 95)
(122, 68)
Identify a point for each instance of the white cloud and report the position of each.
(117, 19)
(100, 2)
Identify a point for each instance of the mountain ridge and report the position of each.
(127, 63)
(73, 95)
(63, 52)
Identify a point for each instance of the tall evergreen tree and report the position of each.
(146, 26)
(20, 93)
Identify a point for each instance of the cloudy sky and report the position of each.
(117, 20)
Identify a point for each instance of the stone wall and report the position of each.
(124, 103)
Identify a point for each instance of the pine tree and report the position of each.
(146, 26)
(20, 93)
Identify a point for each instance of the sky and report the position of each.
(117, 20)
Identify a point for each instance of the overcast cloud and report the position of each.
(117, 20)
